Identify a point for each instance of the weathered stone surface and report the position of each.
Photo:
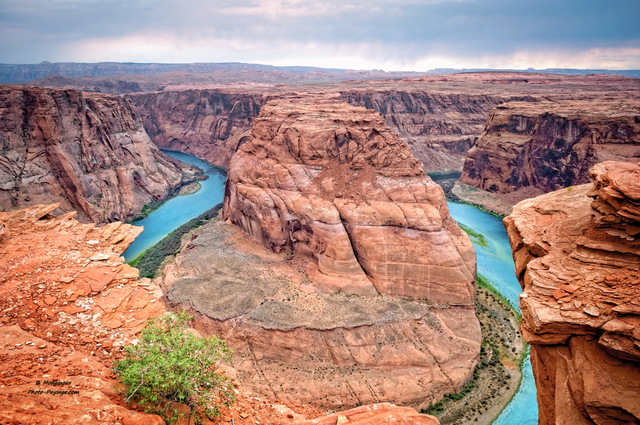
(578, 261)
(330, 181)
(551, 145)
(438, 127)
(65, 318)
(295, 343)
(210, 124)
(88, 152)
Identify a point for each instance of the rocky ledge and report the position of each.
(86, 151)
(329, 181)
(578, 260)
(68, 307)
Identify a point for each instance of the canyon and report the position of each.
(577, 256)
(210, 124)
(336, 274)
(87, 152)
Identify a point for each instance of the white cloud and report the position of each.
(159, 47)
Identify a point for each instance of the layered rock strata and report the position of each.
(438, 127)
(552, 145)
(331, 189)
(376, 414)
(68, 305)
(329, 181)
(210, 124)
(295, 343)
(88, 152)
(578, 260)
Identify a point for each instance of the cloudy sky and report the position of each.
(358, 34)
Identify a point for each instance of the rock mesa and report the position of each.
(578, 260)
(330, 181)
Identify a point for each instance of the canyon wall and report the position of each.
(88, 152)
(330, 181)
(439, 127)
(551, 145)
(209, 124)
(578, 260)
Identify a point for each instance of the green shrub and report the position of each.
(170, 364)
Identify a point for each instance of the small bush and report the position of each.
(170, 364)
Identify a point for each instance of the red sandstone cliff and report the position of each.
(88, 152)
(438, 127)
(330, 181)
(209, 124)
(578, 261)
(551, 145)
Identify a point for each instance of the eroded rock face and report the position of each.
(329, 185)
(578, 261)
(68, 307)
(210, 124)
(323, 179)
(88, 152)
(551, 145)
(295, 343)
(439, 128)
(375, 414)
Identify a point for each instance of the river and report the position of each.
(496, 264)
(494, 259)
(177, 211)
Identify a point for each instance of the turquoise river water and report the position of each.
(494, 259)
(496, 264)
(177, 211)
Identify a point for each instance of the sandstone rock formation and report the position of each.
(578, 261)
(551, 145)
(295, 343)
(88, 152)
(321, 178)
(330, 188)
(68, 306)
(438, 127)
(376, 414)
(210, 124)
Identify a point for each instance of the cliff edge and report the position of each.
(578, 261)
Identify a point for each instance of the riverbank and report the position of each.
(498, 375)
